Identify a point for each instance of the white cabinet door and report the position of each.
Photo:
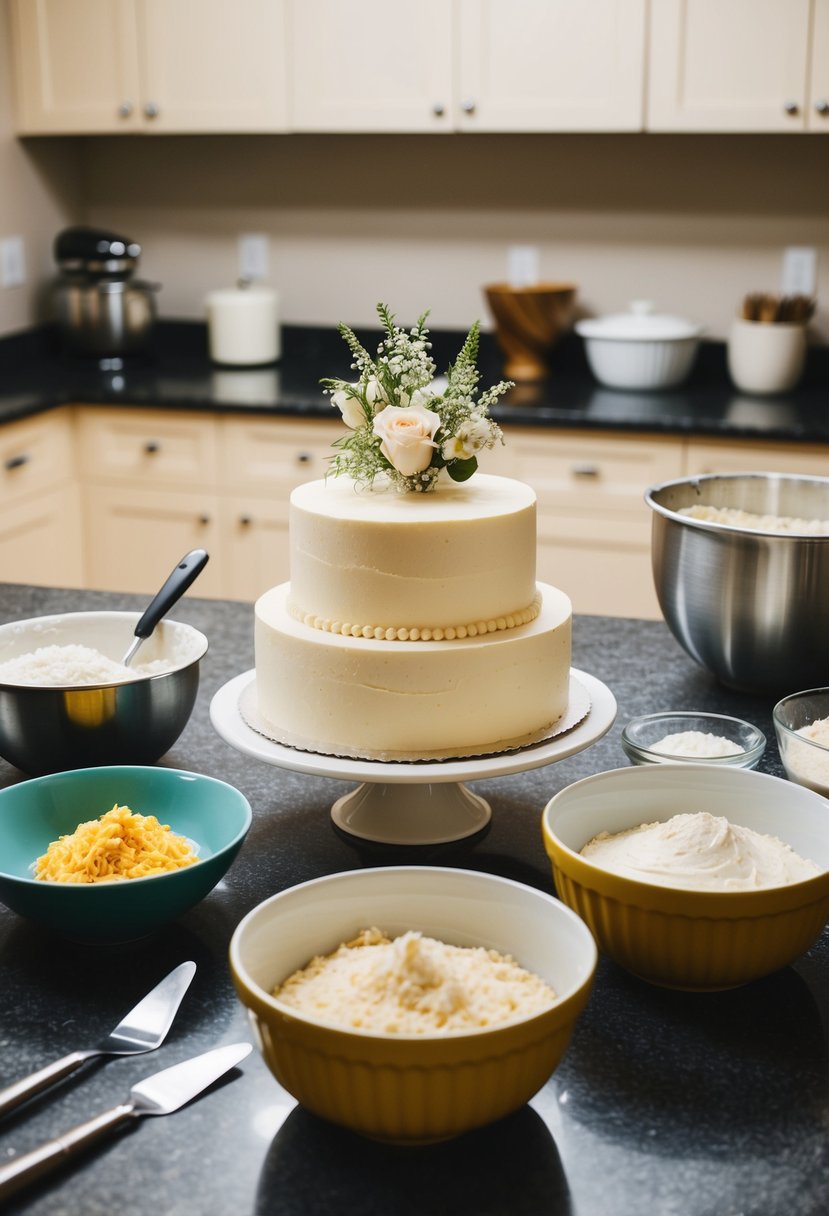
(213, 66)
(551, 65)
(367, 65)
(98, 66)
(76, 66)
(818, 117)
(728, 65)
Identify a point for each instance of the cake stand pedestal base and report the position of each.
(444, 813)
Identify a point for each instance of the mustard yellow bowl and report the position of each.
(411, 1088)
(697, 940)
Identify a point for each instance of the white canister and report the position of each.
(764, 356)
(243, 326)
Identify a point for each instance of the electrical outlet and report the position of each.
(253, 256)
(12, 262)
(799, 276)
(522, 265)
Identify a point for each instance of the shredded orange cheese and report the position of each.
(117, 845)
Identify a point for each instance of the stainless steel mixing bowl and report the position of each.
(50, 729)
(751, 607)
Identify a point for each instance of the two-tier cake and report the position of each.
(412, 626)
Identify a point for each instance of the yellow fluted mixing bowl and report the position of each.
(403, 1088)
(681, 938)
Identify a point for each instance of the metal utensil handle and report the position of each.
(27, 1087)
(187, 570)
(46, 1157)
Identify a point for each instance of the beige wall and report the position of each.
(693, 222)
(39, 194)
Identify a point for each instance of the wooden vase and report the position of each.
(528, 323)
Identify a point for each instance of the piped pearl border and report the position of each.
(449, 633)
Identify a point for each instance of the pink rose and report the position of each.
(408, 437)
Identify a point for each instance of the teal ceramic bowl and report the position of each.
(214, 816)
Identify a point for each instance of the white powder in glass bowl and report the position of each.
(806, 764)
(696, 743)
(73, 665)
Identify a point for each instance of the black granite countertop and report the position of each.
(175, 372)
(664, 1103)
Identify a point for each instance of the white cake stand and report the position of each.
(418, 803)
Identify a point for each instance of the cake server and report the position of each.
(161, 1094)
(143, 1029)
(177, 582)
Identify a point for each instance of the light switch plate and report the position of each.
(799, 276)
(253, 256)
(12, 262)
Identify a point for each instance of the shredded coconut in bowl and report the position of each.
(73, 665)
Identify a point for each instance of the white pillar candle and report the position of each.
(243, 326)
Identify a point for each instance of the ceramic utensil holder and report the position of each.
(766, 357)
(528, 323)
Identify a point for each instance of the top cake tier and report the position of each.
(460, 555)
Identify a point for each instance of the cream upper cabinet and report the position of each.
(210, 65)
(76, 65)
(551, 65)
(733, 65)
(818, 115)
(469, 65)
(98, 66)
(367, 65)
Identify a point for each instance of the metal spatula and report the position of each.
(160, 1094)
(143, 1029)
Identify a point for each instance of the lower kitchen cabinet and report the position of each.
(135, 536)
(40, 539)
(709, 456)
(40, 515)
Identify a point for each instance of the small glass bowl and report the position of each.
(804, 760)
(640, 735)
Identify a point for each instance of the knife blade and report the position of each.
(143, 1029)
(160, 1094)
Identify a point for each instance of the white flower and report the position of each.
(350, 408)
(472, 436)
(407, 436)
(375, 392)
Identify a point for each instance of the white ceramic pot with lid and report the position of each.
(640, 349)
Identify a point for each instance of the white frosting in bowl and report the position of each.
(699, 852)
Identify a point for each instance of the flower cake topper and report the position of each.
(399, 424)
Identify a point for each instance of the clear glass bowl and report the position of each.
(805, 760)
(641, 734)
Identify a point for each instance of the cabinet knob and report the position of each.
(17, 462)
(438, 109)
(152, 446)
(791, 107)
(586, 471)
(125, 109)
(245, 520)
(151, 109)
(303, 457)
(204, 520)
(822, 106)
(468, 105)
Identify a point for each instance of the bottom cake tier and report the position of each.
(387, 700)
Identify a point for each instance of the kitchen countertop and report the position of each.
(665, 1102)
(36, 375)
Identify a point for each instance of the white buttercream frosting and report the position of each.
(699, 852)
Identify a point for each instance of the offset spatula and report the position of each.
(143, 1029)
(160, 1094)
